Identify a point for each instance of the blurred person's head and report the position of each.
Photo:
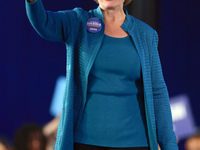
(193, 143)
(30, 137)
(3, 145)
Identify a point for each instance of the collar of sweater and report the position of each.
(128, 23)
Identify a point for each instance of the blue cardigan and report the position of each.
(82, 47)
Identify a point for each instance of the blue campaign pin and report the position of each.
(94, 25)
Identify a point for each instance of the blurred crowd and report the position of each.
(34, 137)
(193, 142)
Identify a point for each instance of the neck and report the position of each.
(113, 15)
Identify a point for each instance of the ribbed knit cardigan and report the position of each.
(82, 47)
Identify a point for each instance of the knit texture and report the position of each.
(82, 47)
(115, 90)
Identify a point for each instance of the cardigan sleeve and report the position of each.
(54, 26)
(165, 134)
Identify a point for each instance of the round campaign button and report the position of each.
(94, 25)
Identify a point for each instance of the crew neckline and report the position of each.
(116, 37)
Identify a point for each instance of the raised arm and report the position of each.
(54, 26)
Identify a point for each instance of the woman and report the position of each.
(116, 97)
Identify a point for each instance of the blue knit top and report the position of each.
(70, 26)
(114, 114)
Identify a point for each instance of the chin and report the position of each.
(110, 4)
(108, 7)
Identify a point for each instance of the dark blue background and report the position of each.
(179, 30)
(30, 65)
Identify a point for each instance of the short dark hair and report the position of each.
(23, 136)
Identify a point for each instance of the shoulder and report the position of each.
(75, 13)
(79, 11)
(143, 27)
